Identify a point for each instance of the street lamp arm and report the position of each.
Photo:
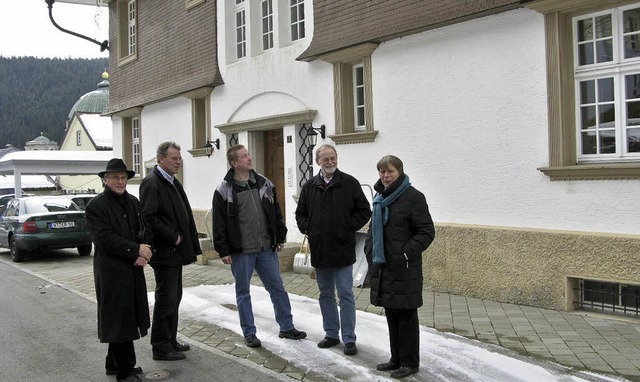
(103, 45)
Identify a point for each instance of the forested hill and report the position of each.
(36, 95)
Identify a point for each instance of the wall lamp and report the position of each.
(312, 135)
(103, 45)
(208, 147)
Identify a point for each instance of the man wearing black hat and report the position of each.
(176, 242)
(122, 248)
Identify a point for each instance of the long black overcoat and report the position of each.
(117, 229)
(168, 217)
(397, 284)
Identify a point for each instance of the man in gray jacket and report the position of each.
(248, 230)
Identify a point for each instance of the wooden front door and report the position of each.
(274, 163)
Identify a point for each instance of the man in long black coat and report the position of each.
(122, 249)
(176, 244)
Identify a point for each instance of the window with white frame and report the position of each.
(241, 29)
(135, 144)
(131, 26)
(127, 30)
(131, 146)
(360, 123)
(78, 138)
(352, 79)
(607, 84)
(267, 24)
(297, 19)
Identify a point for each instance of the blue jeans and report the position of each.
(267, 266)
(330, 279)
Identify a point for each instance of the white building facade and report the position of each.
(468, 107)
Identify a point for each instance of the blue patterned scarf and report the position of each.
(380, 218)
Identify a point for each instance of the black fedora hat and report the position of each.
(116, 165)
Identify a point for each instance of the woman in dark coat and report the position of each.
(122, 249)
(401, 229)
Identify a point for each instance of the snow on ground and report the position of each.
(443, 356)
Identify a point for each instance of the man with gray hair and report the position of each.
(175, 239)
(331, 208)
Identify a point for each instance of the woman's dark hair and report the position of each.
(393, 160)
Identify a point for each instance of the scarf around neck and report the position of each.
(380, 217)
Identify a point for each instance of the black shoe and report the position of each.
(168, 356)
(252, 341)
(293, 334)
(177, 346)
(404, 371)
(387, 366)
(350, 348)
(114, 371)
(131, 378)
(328, 342)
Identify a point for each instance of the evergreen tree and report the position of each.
(36, 95)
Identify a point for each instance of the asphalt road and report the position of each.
(48, 334)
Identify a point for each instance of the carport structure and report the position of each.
(50, 162)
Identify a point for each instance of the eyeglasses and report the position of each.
(117, 178)
(328, 159)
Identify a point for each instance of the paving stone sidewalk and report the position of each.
(595, 343)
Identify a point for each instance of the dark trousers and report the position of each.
(165, 310)
(122, 357)
(404, 336)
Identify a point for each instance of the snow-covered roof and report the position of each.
(99, 129)
(29, 182)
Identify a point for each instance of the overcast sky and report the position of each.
(25, 29)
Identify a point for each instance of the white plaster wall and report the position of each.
(171, 120)
(465, 108)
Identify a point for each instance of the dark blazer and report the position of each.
(330, 216)
(117, 228)
(397, 284)
(167, 218)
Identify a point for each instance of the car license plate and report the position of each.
(58, 225)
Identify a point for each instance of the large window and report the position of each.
(593, 85)
(131, 144)
(241, 29)
(607, 74)
(297, 19)
(353, 93)
(127, 30)
(267, 24)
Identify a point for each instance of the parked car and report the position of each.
(81, 199)
(4, 199)
(43, 222)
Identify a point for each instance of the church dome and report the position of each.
(41, 143)
(95, 101)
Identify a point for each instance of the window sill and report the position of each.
(359, 137)
(127, 59)
(197, 152)
(593, 171)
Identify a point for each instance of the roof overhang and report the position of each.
(39, 162)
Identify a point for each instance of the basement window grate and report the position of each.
(608, 297)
